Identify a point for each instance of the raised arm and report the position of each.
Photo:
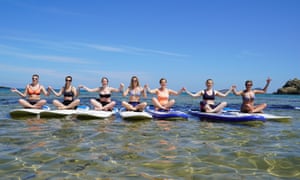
(88, 89)
(151, 91)
(144, 91)
(235, 92)
(220, 94)
(57, 94)
(45, 92)
(264, 90)
(198, 94)
(117, 90)
(125, 92)
(75, 91)
(176, 93)
(15, 90)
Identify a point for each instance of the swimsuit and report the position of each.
(34, 92)
(162, 99)
(32, 101)
(68, 94)
(134, 93)
(206, 97)
(248, 97)
(134, 103)
(104, 95)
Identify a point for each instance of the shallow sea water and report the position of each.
(68, 148)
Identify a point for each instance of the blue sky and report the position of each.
(184, 41)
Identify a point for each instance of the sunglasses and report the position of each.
(249, 85)
(34, 78)
(68, 80)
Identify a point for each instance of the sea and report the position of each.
(113, 148)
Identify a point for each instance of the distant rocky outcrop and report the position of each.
(290, 87)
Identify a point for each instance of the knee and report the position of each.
(77, 101)
(21, 101)
(43, 101)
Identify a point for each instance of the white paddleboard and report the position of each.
(268, 117)
(19, 113)
(132, 115)
(271, 117)
(57, 113)
(93, 114)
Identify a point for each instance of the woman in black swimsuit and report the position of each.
(208, 98)
(69, 93)
(104, 102)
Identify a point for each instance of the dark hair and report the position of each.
(248, 81)
(162, 79)
(209, 80)
(70, 77)
(104, 78)
(131, 81)
(36, 75)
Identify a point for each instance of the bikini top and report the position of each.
(248, 96)
(134, 93)
(207, 96)
(37, 91)
(68, 93)
(104, 95)
(161, 97)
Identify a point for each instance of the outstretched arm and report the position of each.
(176, 93)
(45, 92)
(50, 89)
(220, 94)
(235, 92)
(15, 90)
(151, 91)
(119, 89)
(88, 89)
(198, 94)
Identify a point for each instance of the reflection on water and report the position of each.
(152, 149)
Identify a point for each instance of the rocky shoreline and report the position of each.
(290, 87)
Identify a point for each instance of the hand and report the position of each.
(269, 80)
(233, 88)
(13, 90)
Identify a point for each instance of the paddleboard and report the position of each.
(132, 115)
(57, 113)
(28, 112)
(93, 114)
(19, 113)
(167, 115)
(230, 117)
(268, 117)
(297, 107)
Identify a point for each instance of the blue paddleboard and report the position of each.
(227, 117)
(168, 115)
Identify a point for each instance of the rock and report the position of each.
(290, 87)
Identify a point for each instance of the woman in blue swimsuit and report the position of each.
(69, 92)
(248, 96)
(135, 91)
(208, 98)
(104, 103)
